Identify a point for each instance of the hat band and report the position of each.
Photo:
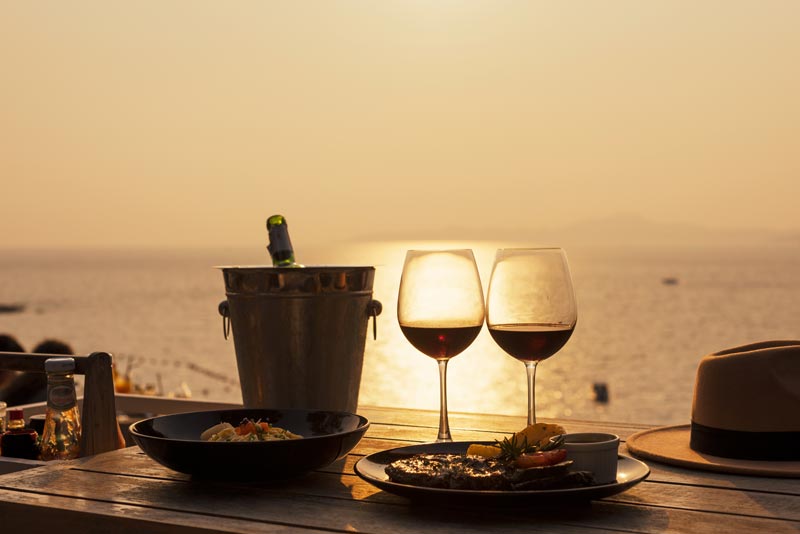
(775, 446)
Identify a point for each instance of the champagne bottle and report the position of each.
(280, 246)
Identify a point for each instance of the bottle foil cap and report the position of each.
(59, 365)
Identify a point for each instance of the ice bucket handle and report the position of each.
(374, 308)
(225, 312)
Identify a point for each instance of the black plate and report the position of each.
(174, 441)
(372, 469)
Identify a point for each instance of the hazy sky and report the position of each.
(187, 122)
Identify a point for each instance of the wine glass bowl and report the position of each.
(440, 309)
(531, 310)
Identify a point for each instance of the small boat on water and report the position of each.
(669, 281)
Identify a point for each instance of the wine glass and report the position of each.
(530, 309)
(440, 310)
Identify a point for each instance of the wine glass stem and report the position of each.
(530, 367)
(444, 425)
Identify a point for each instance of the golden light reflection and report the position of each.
(412, 380)
(446, 279)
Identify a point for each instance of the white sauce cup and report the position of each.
(595, 452)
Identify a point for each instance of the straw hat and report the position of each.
(745, 415)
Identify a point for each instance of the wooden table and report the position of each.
(125, 491)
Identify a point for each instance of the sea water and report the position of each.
(156, 312)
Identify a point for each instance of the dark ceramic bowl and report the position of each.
(174, 441)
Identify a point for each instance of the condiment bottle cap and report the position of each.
(14, 414)
(59, 365)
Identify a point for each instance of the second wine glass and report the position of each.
(440, 310)
(530, 309)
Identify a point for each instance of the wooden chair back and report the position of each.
(99, 428)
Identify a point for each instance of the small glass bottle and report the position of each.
(62, 425)
(280, 246)
(3, 407)
(19, 441)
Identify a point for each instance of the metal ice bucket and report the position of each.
(299, 333)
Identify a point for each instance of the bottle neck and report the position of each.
(60, 378)
(280, 246)
(61, 391)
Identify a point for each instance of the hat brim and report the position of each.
(670, 445)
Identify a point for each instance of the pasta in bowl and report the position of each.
(176, 441)
(248, 430)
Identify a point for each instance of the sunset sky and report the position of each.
(178, 123)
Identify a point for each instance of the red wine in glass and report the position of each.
(531, 309)
(531, 342)
(441, 342)
(440, 310)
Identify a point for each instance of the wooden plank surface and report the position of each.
(482, 422)
(27, 512)
(755, 503)
(343, 502)
(128, 484)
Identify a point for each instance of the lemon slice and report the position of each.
(539, 434)
(487, 451)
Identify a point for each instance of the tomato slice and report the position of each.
(540, 459)
(246, 427)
